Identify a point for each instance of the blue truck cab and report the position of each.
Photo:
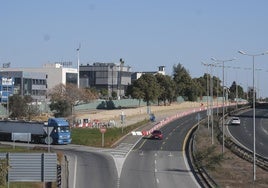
(60, 133)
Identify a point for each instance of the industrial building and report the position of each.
(22, 83)
(111, 76)
(115, 77)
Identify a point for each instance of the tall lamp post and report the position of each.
(78, 62)
(205, 64)
(223, 98)
(254, 122)
(210, 107)
(236, 87)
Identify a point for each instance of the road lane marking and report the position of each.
(75, 170)
(184, 155)
(142, 144)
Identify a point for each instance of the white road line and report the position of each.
(75, 171)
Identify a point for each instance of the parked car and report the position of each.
(157, 134)
(235, 121)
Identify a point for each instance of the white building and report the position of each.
(55, 73)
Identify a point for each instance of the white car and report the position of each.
(235, 121)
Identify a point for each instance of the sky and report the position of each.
(144, 33)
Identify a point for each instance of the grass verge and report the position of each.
(93, 136)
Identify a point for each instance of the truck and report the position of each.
(54, 131)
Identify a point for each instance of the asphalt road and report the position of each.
(91, 169)
(244, 132)
(160, 163)
(134, 162)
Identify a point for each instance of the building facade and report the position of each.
(6, 88)
(137, 75)
(23, 83)
(37, 81)
(110, 76)
(55, 73)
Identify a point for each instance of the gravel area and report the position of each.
(134, 115)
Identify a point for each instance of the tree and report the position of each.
(146, 88)
(134, 92)
(32, 110)
(114, 95)
(240, 91)
(61, 108)
(167, 86)
(202, 82)
(199, 86)
(104, 93)
(18, 106)
(184, 84)
(65, 97)
(88, 94)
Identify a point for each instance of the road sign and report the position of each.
(48, 140)
(48, 130)
(103, 129)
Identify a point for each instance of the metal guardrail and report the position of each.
(203, 178)
(246, 154)
(241, 151)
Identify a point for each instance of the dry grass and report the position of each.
(234, 171)
(141, 112)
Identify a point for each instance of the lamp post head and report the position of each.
(241, 52)
(216, 60)
(203, 63)
(265, 53)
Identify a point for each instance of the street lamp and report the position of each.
(223, 97)
(205, 64)
(210, 109)
(236, 87)
(78, 62)
(254, 125)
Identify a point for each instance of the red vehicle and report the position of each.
(157, 134)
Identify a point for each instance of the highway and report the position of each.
(143, 162)
(244, 132)
(135, 162)
(160, 163)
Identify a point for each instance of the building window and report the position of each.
(71, 78)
